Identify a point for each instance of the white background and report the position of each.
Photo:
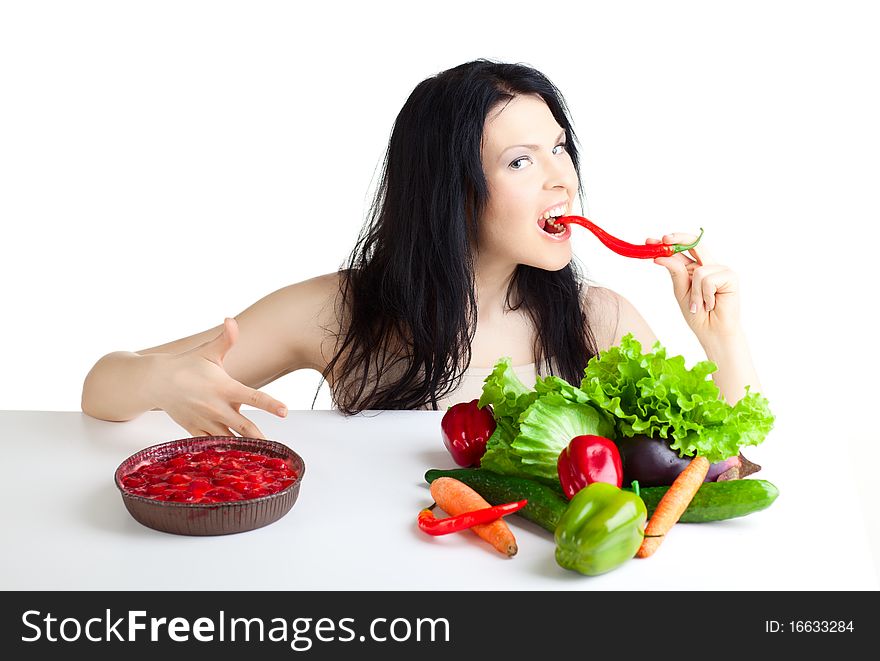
(166, 164)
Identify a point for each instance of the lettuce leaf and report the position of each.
(545, 430)
(534, 426)
(658, 396)
(499, 452)
(509, 397)
(505, 392)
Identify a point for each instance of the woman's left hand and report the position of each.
(707, 292)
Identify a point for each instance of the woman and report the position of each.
(452, 271)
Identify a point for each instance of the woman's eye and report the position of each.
(526, 158)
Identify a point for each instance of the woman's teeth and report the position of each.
(553, 227)
(556, 212)
(548, 220)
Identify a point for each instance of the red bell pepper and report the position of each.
(466, 428)
(589, 459)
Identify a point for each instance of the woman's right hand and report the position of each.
(196, 391)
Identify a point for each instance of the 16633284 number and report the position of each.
(821, 626)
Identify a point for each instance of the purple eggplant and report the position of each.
(654, 464)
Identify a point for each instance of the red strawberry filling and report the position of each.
(211, 476)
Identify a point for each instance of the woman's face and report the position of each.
(529, 171)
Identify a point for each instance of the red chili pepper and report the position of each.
(647, 251)
(434, 526)
(466, 427)
(589, 459)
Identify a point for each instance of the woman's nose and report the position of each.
(558, 176)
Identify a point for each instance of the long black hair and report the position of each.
(408, 308)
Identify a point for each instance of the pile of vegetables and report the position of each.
(624, 393)
(571, 452)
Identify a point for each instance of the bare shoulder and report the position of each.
(309, 313)
(290, 329)
(317, 292)
(611, 316)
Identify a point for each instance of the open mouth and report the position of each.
(549, 219)
(551, 225)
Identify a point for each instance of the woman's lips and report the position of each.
(564, 235)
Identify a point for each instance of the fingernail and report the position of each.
(282, 411)
(693, 308)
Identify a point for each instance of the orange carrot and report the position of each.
(673, 504)
(455, 497)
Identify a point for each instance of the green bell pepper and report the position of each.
(602, 528)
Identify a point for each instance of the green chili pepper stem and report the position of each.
(680, 247)
(635, 486)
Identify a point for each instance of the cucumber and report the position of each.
(714, 501)
(717, 501)
(545, 506)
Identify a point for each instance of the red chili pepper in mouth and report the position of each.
(647, 251)
(434, 526)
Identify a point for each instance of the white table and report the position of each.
(353, 527)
